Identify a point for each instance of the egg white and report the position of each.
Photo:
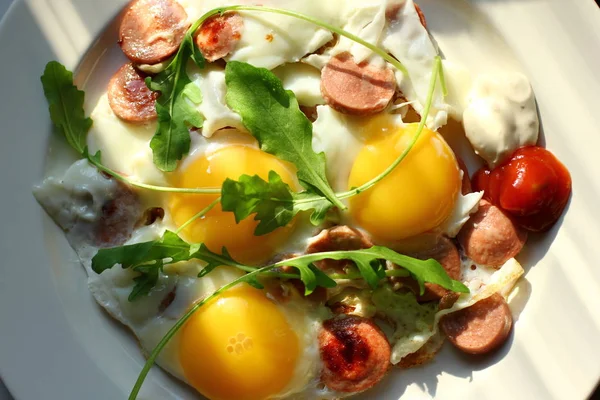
(269, 40)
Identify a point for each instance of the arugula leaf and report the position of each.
(175, 106)
(422, 270)
(169, 246)
(144, 283)
(273, 116)
(369, 265)
(273, 202)
(65, 103)
(150, 257)
(313, 202)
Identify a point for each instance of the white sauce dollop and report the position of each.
(501, 116)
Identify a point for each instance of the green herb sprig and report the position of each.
(273, 116)
(274, 203)
(65, 103)
(175, 105)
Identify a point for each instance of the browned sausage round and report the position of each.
(481, 328)
(152, 30)
(219, 35)
(446, 253)
(355, 354)
(334, 239)
(357, 89)
(489, 237)
(129, 97)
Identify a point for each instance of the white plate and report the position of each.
(56, 344)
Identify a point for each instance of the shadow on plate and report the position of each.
(427, 377)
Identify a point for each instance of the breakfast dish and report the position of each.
(270, 189)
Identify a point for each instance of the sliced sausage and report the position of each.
(481, 328)
(219, 35)
(357, 89)
(152, 30)
(334, 239)
(355, 354)
(130, 98)
(445, 252)
(489, 237)
(118, 218)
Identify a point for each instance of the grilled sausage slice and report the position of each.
(218, 36)
(356, 89)
(337, 238)
(129, 97)
(489, 237)
(481, 328)
(355, 354)
(152, 30)
(446, 253)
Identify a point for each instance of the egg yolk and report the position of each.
(417, 196)
(218, 229)
(238, 346)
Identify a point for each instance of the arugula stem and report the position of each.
(437, 71)
(155, 188)
(349, 276)
(179, 324)
(442, 77)
(357, 275)
(199, 215)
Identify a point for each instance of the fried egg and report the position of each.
(434, 201)
(247, 326)
(218, 229)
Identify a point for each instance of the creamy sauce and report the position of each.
(501, 116)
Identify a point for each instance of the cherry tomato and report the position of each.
(532, 186)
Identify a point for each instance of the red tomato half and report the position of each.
(533, 187)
